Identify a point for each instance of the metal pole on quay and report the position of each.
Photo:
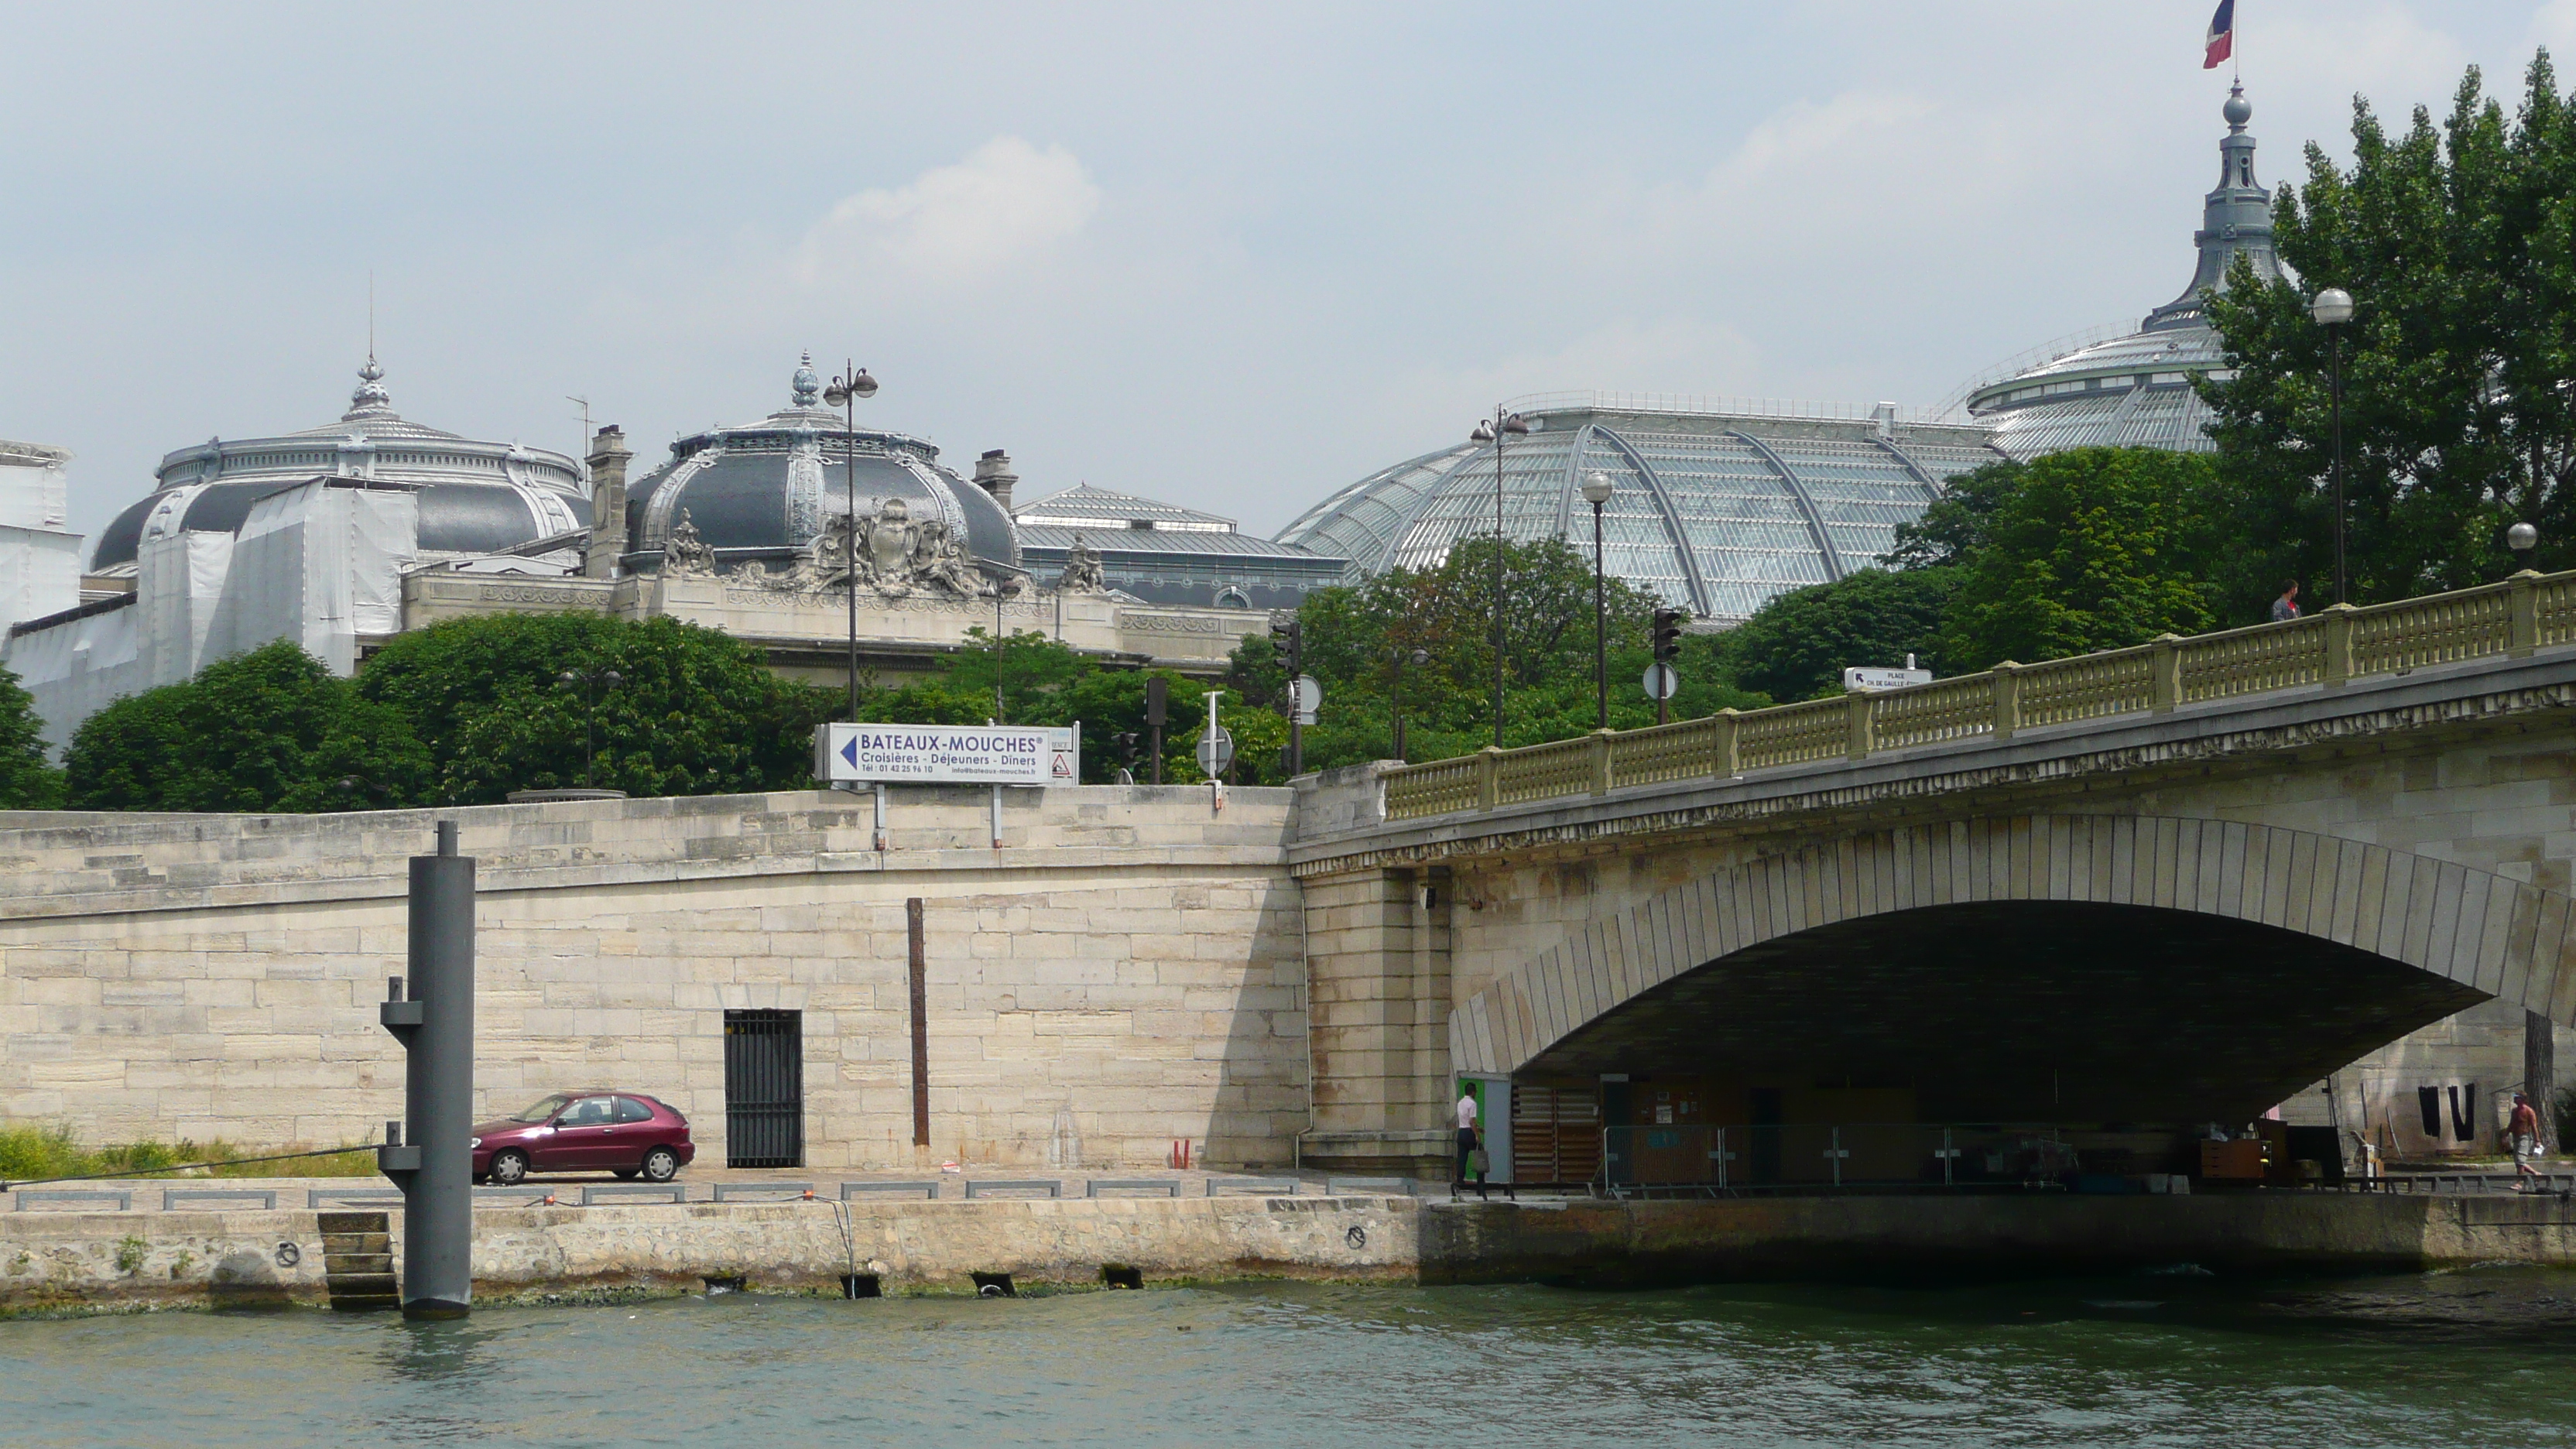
(435, 1023)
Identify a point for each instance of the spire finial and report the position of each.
(371, 396)
(2238, 110)
(805, 387)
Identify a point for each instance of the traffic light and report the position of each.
(1668, 634)
(1292, 648)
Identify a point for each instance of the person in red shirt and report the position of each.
(2522, 1129)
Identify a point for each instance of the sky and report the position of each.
(1234, 257)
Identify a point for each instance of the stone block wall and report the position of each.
(1124, 973)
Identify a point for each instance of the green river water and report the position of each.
(2485, 1357)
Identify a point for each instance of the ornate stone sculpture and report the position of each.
(684, 554)
(896, 556)
(1082, 571)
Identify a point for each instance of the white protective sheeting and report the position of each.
(39, 573)
(78, 667)
(320, 564)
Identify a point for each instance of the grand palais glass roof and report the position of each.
(1716, 508)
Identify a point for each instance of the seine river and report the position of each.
(2479, 1358)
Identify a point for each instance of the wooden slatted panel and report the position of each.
(1556, 1134)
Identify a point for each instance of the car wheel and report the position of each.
(661, 1165)
(509, 1167)
(622, 1174)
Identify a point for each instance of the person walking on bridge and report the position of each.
(2522, 1129)
(2286, 607)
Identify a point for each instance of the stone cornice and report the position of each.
(2037, 768)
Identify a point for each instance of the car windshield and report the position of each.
(540, 1111)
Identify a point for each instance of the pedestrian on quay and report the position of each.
(1467, 1140)
(2286, 607)
(2522, 1129)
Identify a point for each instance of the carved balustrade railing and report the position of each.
(2526, 612)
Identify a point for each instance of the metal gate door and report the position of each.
(764, 1089)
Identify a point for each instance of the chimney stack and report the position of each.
(608, 457)
(993, 474)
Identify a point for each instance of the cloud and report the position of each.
(1005, 202)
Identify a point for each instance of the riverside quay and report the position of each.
(2075, 924)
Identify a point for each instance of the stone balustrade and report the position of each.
(2340, 643)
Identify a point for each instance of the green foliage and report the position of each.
(29, 1151)
(696, 712)
(2092, 548)
(1799, 643)
(2458, 245)
(1360, 641)
(27, 780)
(267, 730)
(1047, 683)
(1955, 526)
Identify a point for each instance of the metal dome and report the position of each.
(475, 497)
(1717, 507)
(763, 491)
(2132, 387)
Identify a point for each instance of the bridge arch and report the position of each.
(2295, 951)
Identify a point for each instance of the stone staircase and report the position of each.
(358, 1262)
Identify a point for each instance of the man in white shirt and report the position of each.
(1466, 1132)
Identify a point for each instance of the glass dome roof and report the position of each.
(1717, 508)
(2124, 387)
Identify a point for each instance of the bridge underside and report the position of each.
(2024, 1011)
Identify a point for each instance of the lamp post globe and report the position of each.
(2332, 309)
(1596, 491)
(2522, 538)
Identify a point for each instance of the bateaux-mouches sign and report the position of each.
(944, 754)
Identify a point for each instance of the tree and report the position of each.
(270, 730)
(1360, 639)
(2091, 548)
(1955, 526)
(1797, 645)
(696, 712)
(27, 780)
(2458, 246)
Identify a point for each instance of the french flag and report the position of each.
(2221, 40)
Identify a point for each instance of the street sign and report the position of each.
(1305, 697)
(1662, 681)
(1884, 678)
(1216, 751)
(943, 754)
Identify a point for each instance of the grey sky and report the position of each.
(1228, 257)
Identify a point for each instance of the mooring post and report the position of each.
(435, 1169)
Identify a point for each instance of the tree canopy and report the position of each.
(268, 730)
(695, 711)
(28, 780)
(2458, 245)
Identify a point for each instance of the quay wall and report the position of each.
(1605, 1242)
(61, 1261)
(1124, 971)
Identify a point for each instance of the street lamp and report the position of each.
(2332, 309)
(590, 682)
(2522, 538)
(844, 393)
(1395, 697)
(1596, 491)
(1504, 425)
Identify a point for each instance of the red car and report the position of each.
(626, 1133)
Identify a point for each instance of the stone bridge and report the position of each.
(2163, 885)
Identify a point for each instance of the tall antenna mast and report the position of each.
(581, 455)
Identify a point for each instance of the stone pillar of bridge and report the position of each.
(1377, 953)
